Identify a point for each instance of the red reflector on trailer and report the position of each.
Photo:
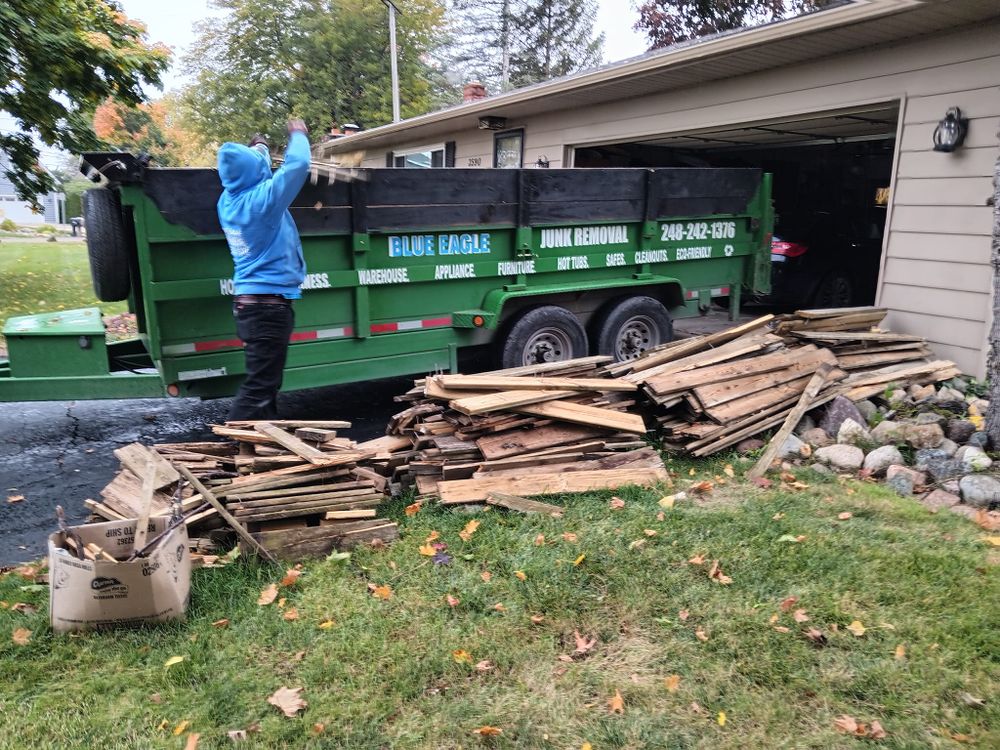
(478, 321)
(788, 249)
(173, 390)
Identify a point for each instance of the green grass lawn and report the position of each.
(411, 671)
(46, 277)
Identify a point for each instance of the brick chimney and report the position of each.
(473, 91)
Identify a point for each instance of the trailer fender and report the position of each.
(495, 308)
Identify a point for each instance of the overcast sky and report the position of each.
(171, 23)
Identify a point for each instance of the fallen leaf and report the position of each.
(579, 560)
(660, 516)
(179, 729)
(672, 683)
(291, 614)
(857, 628)
(616, 503)
(667, 502)
(433, 536)
(987, 520)
(484, 666)
(683, 615)
(782, 629)
(288, 701)
(816, 636)
(788, 538)
(537, 619)
(772, 619)
(762, 482)
(268, 595)
(788, 477)
(427, 550)
(697, 560)
(788, 603)
(801, 538)
(636, 544)
(728, 471)
(298, 656)
(326, 624)
(382, 592)
(237, 735)
(21, 636)
(696, 707)
(777, 516)
(172, 661)
(972, 701)
(461, 656)
(617, 703)
(844, 516)
(994, 540)
(318, 728)
(15, 498)
(520, 575)
(586, 746)
(156, 698)
(582, 644)
(650, 532)
(540, 540)
(565, 657)
(282, 602)
(716, 574)
(291, 576)
(721, 718)
(691, 472)
(900, 652)
(487, 731)
(453, 601)
(800, 616)
(569, 536)
(192, 741)
(412, 508)
(700, 635)
(24, 608)
(486, 576)
(470, 529)
(162, 725)
(846, 724)
(223, 623)
(499, 607)
(703, 487)
(876, 732)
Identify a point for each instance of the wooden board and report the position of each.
(505, 383)
(504, 401)
(315, 434)
(320, 541)
(521, 505)
(291, 424)
(135, 457)
(587, 415)
(515, 442)
(806, 363)
(703, 376)
(296, 446)
(836, 312)
(477, 490)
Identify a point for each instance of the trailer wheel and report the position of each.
(632, 327)
(835, 290)
(107, 247)
(543, 334)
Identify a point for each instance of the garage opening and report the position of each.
(832, 172)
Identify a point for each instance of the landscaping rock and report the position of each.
(960, 430)
(979, 440)
(923, 435)
(898, 397)
(805, 424)
(980, 490)
(842, 457)
(929, 417)
(880, 459)
(920, 392)
(958, 384)
(921, 457)
(749, 445)
(887, 432)
(948, 447)
(867, 409)
(944, 468)
(938, 499)
(965, 510)
(981, 405)
(951, 485)
(816, 437)
(852, 433)
(900, 484)
(820, 469)
(839, 409)
(793, 447)
(917, 478)
(975, 459)
(949, 396)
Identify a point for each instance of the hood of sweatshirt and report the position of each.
(241, 167)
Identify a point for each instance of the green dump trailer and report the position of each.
(405, 268)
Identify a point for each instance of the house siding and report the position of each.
(935, 269)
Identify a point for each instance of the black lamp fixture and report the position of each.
(950, 132)
(543, 162)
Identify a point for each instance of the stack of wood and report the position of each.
(537, 430)
(295, 486)
(712, 391)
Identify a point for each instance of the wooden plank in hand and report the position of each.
(812, 390)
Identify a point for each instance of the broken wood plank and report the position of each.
(476, 490)
(315, 434)
(504, 401)
(522, 505)
(150, 477)
(515, 442)
(350, 515)
(507, 383)
(291, 424)
(587, 415)
(320, 541)
(296, 446)
(135, 457)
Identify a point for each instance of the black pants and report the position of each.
(264, 330)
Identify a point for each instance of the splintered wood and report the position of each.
(713, 391)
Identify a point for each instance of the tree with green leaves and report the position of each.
(668, 22)
(324, 61)
(556, 38)
(59, 60)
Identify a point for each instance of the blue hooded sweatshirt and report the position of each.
(253, 211)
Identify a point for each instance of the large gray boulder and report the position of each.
(975, 459)
(853, 433)
(880, 459)
(980, 490)
(917, 478)
(960, 430)
(929, 417)
(948, 447)
(887, 432)
(938, 499)
(816, 437)
(793, 447)
(901, 484)
(923, 435)
(841, 457)
(867, 409)
(840, 408)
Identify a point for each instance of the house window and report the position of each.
(508, 149)
(429, 157)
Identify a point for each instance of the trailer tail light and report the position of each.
(173, 390)
(788, 249)
(478, 321)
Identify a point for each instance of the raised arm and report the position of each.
(291, 176)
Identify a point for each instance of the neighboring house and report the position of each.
(19, 211)
(841, 105)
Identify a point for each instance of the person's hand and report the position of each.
(257, 139)
(297, 126)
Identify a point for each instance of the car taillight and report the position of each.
(788, 249)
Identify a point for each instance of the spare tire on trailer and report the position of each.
(548, 333)
(107, 246)
(631, 327)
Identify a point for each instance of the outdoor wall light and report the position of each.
(543, 162)
(950, 132)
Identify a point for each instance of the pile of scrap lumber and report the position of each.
(536, 430)
(712, 391)
(295, 486)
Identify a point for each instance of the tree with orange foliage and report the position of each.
(155, 128)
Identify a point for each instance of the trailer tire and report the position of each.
(543, 334)
(631, 327)
(107, 247)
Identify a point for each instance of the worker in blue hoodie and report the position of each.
(267, 255)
